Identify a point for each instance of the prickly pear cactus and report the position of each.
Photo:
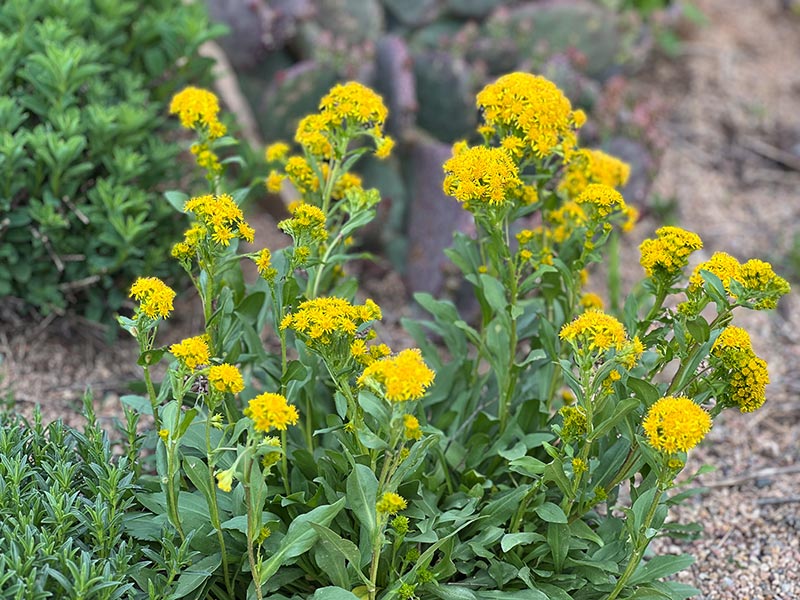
(414, 12)
(295, 93)
(473, 9)
(597, 36)
(445, 95)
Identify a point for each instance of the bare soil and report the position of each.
(732, 167)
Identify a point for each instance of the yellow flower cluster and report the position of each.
(154, 297)
(276, 152)
(532, 109)
(757, 276)
(221, 217)
(206, 158)
(575, 424)
(198, 106)
(747, 373)
(563, 221)
(192, 352)
(761, 285)
(226, 378)
(322, 318)
(591, 301)
(391, 504)
(271, 411)
(274, 181)
(669, 253)
(263, 262)
(346, 181)
(721, 264)
(302, 175)
(411, 428)
(481, 175)
(676, 424)
(599, 201)
(350, 107)
(307, 223)
(353, 101)
(593, 166)
(366, 355)
(595, 330)
(400, 378)
(225, 479)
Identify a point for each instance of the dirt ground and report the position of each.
(732, 166)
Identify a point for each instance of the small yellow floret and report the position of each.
(676, 424)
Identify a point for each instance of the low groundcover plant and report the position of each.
(531, 453)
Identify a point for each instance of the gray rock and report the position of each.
(394, 80)
(414, 12)
(433, 217)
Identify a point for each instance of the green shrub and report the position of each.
(82, 148)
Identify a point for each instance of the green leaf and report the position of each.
(495, 293)
(555, 472)
(197, 472)
(558, 540)
(620, 410)
(299, 538)
(527, 465)
(333, 593)
(150, 357)
(347, 549)
(511, 540)
(550, 513)
(139, 404)
(176, 199)
(196, 574)
(362, 496)
(660, 566)
(699, 329)
(452, 592)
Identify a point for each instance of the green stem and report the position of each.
(151, 392)
(641, 545)
(255, 569)
(523, 506)
(213, 509)
(285, 464)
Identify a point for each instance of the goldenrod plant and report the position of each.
(300, 457)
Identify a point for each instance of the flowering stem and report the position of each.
(319, 270)
(285, 464)
(255, 566)
(213, 510)
(641, 545)
(151, 392)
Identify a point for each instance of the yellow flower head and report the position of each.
(411, 427)
(748, 383)
(353, 102)
(271, 411)
(301, 175)
(676, 424)
(669, 253)
(481, 175)
(579, 466)
(221, 217)
(590, 301)
(192, 352)
(321, 319)
(307, 223)
(575, 425)
(274, 181)
(400, 378)
(225, 479)
(276, 152)
(163, 434)
(312, 133)
(196, 106)
(759, 279)
(593, 166)
(154, 297)
(599, 201)
(384, 147)
(226, 378)
(391, 504)
(263, 262)
(733, 339)
(346, 181)
(722, 265)
(533, 109)
(595, 331)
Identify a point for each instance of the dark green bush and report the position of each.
(84, 88)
